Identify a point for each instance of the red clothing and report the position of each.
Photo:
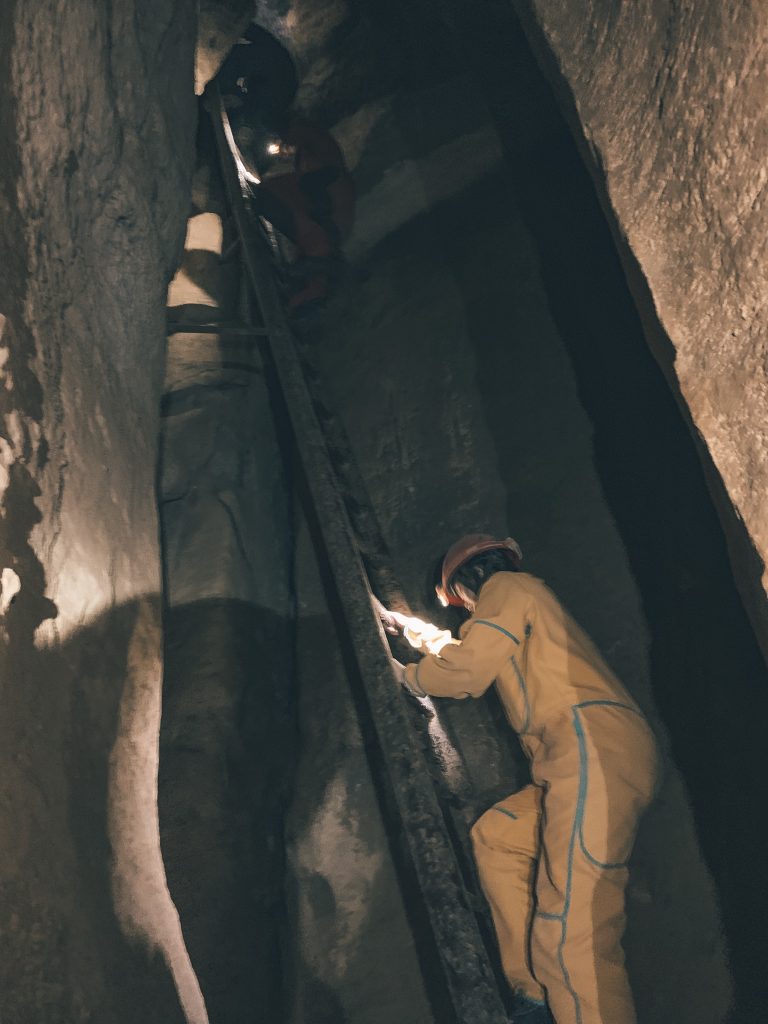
(317, 151)
(314, 204)
(319, 192)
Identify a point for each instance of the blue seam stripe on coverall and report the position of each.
(576, 956)
(578, 822)
(492, 625)
(524, 690)
(503, 810)
(584, 763)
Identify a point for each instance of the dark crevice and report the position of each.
(708, 674)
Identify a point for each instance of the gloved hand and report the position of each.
(399, 669)
(388, 620)
(402, 678)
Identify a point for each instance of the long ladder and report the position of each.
(459, 975)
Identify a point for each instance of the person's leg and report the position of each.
(590, 816)
(275, 201)
(282, 201)
(506, 843)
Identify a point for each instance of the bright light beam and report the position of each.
(422, 635)
(243, 173)
(426, 636)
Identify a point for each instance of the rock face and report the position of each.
(97, 125)
(354, 956)
(219, 23)
(669, 101)
(486, 358)
(228, 738)
(488, 361)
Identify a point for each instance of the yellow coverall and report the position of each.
(552, 858)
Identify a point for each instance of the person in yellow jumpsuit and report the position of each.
(552, 858)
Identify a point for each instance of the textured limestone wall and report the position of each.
(669, 100)
(355, 959)
(220, 22)
(96, 129)
(228, 735)
(488, 361)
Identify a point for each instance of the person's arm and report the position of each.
(315, 147)
(491, 637)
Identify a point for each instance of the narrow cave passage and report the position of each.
(490, 368)
(189, 823)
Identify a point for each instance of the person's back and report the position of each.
(261, 69)
(560, 663)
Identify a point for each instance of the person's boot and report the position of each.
(529, 1011)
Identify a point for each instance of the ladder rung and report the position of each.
(230, 250)
(237, 330)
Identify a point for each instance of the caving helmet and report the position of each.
(465, 549)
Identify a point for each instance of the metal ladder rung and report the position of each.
(216, 327)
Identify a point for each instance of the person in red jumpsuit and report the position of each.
(313, 205)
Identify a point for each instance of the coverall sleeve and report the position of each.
(490, 638)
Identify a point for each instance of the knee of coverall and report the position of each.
(511, 825)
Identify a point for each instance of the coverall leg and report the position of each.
(600, 776)
(506, 846)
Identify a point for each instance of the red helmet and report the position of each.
(461, 552)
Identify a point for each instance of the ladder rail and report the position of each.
(466, 972)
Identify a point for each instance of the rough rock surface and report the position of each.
(490, 367)
(670, 101)
(96, 128)
(219, 23)
(354, 959)
(228, 733)
(487, 361)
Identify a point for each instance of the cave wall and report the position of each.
(228, 737)
(219, 24)
(667, 101)
(472, 382)
(488, 361)
(97, 127)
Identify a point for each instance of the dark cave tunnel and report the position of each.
(491, 366)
